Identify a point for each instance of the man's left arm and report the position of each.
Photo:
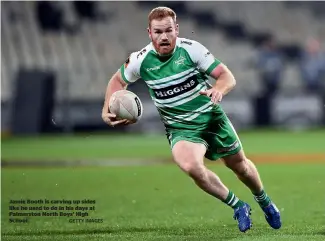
(225, 82)
(213, 67)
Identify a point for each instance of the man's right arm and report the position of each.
(128, 73)
(116, 83)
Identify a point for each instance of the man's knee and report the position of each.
(193, 169)
(238, 163)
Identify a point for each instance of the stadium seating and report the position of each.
(86, 59)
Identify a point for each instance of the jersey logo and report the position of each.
(178, 89)
(180, 60)
(127, 61)
(153, 68)
(141, 53)
(232, 147)
(186, 42)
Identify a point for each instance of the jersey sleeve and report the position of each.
(204, 60)
(130, 70)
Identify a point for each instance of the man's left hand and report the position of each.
(216, 96)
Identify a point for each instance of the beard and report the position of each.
(165, 48)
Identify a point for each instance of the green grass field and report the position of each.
(130, 146)
(159, 202)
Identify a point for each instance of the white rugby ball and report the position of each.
(126, 105)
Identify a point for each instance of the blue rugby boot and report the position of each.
(272, 216)
(242, 215)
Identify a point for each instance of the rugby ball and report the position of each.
(126, 105)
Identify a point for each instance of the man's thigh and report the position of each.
(188, 154)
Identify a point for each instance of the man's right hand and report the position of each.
(111, 120)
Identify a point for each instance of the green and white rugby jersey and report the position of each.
(174, 83)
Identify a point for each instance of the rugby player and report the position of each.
(176, 72)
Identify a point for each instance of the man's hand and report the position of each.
(111, 120)
(216, 96)
(116, 83)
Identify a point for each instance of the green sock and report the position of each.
(233, 201)
(262, 198)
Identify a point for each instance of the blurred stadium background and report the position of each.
(57, 58)
(69, 50)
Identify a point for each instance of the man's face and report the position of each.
(163, 34)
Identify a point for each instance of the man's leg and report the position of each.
(189, 157)
(229, 149)
(248, 174)
(245, 171)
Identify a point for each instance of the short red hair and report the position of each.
(160, 13)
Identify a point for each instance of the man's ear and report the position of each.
(149, 32)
